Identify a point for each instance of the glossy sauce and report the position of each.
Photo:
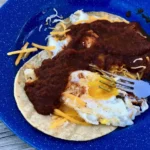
(101, 43)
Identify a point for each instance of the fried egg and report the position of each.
(115, 107)
(59, 44)
(74, 18)
(78, 16)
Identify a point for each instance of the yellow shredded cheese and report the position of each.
(75, 98)
(130, 75)
(21, 54)
(43, 47)
(22, 51)
(57, 123)
(59, 32)
(147, 58)
(26, 55)
(123, 71)
(61, 114)
(63, 25)
(138, 76)
(72, 113)
(69, 111)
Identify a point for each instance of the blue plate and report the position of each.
(20, 17)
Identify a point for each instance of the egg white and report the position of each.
(58, 44)
(78, 16)
(112, 111)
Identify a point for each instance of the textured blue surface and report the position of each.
(13, 16)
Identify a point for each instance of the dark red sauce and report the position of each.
(119, 43)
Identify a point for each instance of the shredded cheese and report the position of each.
(124, 72)
(49, 19)
(57, 123)
(21, 54)
(63, 25)
(59, 32)
(139, 67)
(43, 47)
(52, 28)
(75, 98)
(22, 51)
(61, 114)
(138, 76)
(59, 20)
(26, 55)
(40, 27)
(47, 37)
(70, 112)
(141, 74)
(61, 17)
(147, 58)
(130, 75)
(137, 59)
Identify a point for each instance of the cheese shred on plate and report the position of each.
(22, 51)
(21, 54)
(25, 51)
(138, 76)
(26, 55)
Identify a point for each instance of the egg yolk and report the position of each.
(98, 93)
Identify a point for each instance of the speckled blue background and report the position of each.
(13, 16)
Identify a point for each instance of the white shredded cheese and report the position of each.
(40, 27)
(139, 67)
(61, 17)
(137, 60)
(59, 20)
(49, 19)
(47, 37)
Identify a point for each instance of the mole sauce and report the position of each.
(119, 43)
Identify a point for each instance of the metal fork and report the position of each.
(139, 88)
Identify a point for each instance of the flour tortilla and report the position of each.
(68, 131)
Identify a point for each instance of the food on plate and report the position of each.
(59, 92)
